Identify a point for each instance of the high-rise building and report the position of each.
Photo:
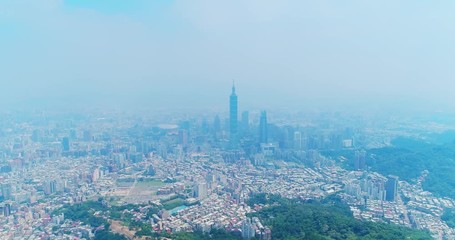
(163, 151)
(217, 124)
(6, 191)
(263, 128)
(374, 188)
(204, 125)
(66, 144)
(233, 120)
(185, 125)
(37, 135)
(73, 134)
(248, 230)
(7, 209)
(360, 160)
(87, 135)
(391, 188)
(245, 121)
(49, 187)
(297, 140)
(54, 186)
(183, 137)
(200, 190)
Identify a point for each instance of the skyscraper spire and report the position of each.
(233, 120)
(233, 87)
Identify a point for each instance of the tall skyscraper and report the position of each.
(391, 188)
(360, 160)
(233, 120)
(245, 121)
(87, 135)
(37, 135)
(66, 144)
(49, 186)
(200, 190)
(217, 124)
(183, 137)
(7, 209)
(263, 128)
(297, 140)
(73, 134)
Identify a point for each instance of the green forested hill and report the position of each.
(408, 158)
(288, 219)
(293, 220)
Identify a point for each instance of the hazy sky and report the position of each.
(186, 53)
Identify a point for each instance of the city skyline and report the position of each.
(183, 176)
(227, 119)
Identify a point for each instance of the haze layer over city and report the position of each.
(227, 119)
(299, 54)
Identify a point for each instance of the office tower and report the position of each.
(263, 128)
(162, 151)
(73, 134)
(200, 190)
(6, 191)
(37, 136)
(204, 125)
(7, 210)
(66, 144)
(119, 160)
(353, 188)
(233, 120)
(136, 157)
(360, 160)
(217, 124)
(96, 174)
(142, 147)
(335, 141)
(49, 187)
(297, 140)
(183, 137)
(185, 125)
(87, 136)
(245, 121)
(53, 186)
(374, 188)
(392, 188)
